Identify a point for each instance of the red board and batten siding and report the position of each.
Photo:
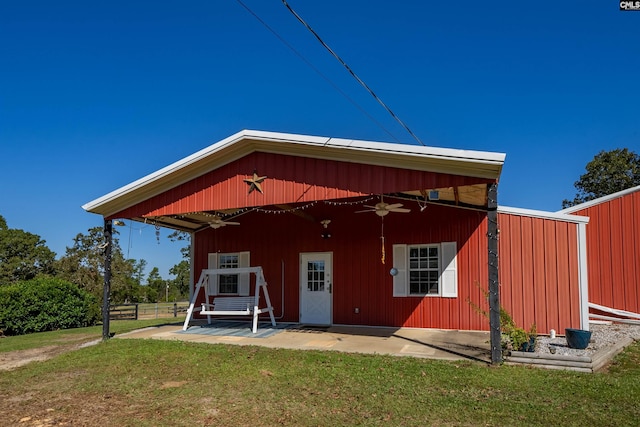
(360, 280)
(539, 271)
(613, 252)
(538, 264)
(290, 179)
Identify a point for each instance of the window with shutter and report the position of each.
(425, 270)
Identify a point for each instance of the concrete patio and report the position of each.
(423, 343)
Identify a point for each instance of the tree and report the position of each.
(181, 282)
(155, 288)
(608, 173)
(183, 268)
(83, 264)
(23, 255)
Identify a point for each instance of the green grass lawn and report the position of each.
(170, 383)
(73, 337)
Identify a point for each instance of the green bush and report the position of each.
(45, 304)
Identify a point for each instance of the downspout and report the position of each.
(583, 276)
(494, 284)
(106, 295)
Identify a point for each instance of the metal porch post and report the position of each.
(494, 284)
(106, 296)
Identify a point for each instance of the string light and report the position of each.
(357, 202)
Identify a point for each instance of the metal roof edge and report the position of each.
(599, 200)
(491, 159)
(198, 155)
(471, 155)
(543, 214)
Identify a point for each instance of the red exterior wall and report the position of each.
(538, 257)
(290, 179)
(613, 252)
(359, 277)
(538, 264)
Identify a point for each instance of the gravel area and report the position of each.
(601, 336)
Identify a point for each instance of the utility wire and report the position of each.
(355, 76)
(354, 103)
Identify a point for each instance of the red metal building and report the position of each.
(362, 233)
(613, 249)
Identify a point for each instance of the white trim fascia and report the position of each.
(577, 219)
(489, 164)
(387, 147)
(583, 276)
(599, 200)
(167, 170)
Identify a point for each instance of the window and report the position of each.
(425, 270)
(229, 284)
(315, 276)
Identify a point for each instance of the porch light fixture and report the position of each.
(393, 272)
(326, 233)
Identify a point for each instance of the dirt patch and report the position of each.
(14, 359)
(172, 384)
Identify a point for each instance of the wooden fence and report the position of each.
(147, 311)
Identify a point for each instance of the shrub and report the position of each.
(45, 304)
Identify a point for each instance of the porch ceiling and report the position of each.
(474, 168)
(465, 197)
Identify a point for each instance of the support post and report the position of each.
(106, 295)
(494, 284)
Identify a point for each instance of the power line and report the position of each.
(355, 76)
(354, 103)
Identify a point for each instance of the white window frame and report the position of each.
(244, 279)
(447, 270)
(437, 270)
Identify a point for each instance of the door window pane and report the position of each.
(315, 276)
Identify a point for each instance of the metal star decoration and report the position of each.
(254, 182)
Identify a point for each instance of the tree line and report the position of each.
(25, 256)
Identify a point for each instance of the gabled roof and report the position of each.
(599, 200)
(478, 164)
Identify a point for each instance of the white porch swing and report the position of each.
(230, 305)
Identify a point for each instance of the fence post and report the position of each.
(136, 311)
(175, 309)
(156, 310)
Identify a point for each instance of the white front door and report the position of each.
(316, 280)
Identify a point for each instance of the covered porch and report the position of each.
(361, 213)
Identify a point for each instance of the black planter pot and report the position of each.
(529, 346)
(577, 338)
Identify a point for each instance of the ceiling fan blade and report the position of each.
(402, 210)
(230, 223)
(393, 206)
(367, 210)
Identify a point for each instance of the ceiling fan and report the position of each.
(218, 222)
(383, 209)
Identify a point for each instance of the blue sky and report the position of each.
(94, 95)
